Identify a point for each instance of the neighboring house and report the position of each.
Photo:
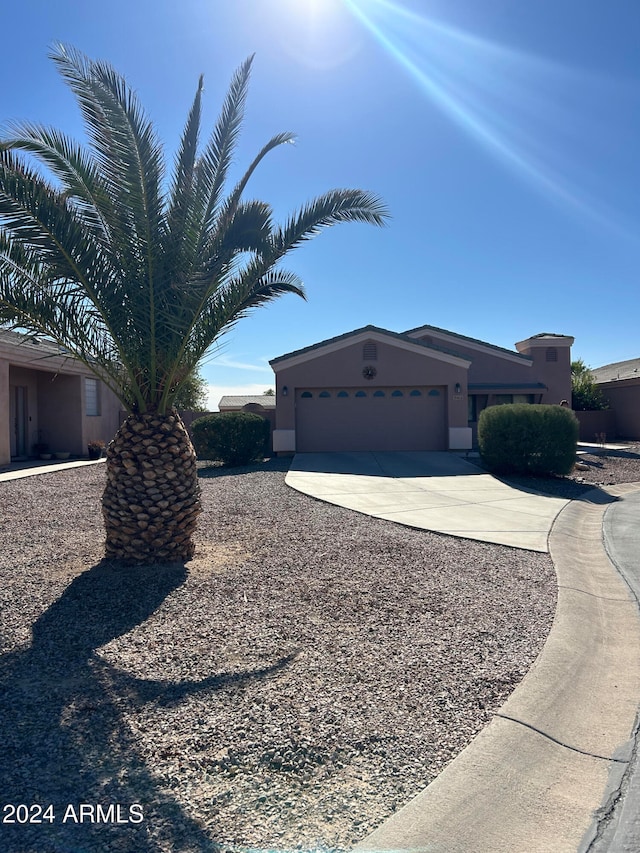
(620, 385)
(48, 398)
(259, 404)
(372, 389)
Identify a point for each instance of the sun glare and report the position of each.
(512, 103)
(318, 33)
(314, 10)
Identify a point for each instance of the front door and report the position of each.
(18, 414)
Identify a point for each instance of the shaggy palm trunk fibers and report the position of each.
(152, 498)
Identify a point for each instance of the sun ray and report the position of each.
(528, 112)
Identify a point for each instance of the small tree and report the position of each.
(192, 394)
(585, 394)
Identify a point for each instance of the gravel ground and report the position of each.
(309, 672)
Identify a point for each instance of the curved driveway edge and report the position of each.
(434, 491)
(540, 775)
(619, 831)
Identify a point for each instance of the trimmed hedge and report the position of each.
(518, 438)
(234, 438)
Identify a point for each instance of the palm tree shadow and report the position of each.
(63, 739)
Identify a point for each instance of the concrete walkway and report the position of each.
(619, 831)
(435, 491)
(543, 774)
(17, 472)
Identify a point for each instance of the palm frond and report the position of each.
(71, 165)
(31, 300)
(185, 208)
(329, 209)
(215, 228)
(127, 150)
(131, 162)
(42, 218)
(213, 165)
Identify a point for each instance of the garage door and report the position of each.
(352, 419)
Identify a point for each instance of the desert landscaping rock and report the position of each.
(309, 672)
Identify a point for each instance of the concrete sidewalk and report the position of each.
(619, 831)
(540, 777)
(17, 472)
(434, 491)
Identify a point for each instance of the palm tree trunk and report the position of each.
(152, 498)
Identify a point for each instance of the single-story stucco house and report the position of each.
(48, 398)
(620, 385)
(259, 404)
(374, 389)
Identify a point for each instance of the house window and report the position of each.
(370, 351)
(306, 394)
(342, 394)
(397, 393)
(501, 399)
(91, 397)
(552, 354)
(361, 394)
(324, 394)
(434, 392)
(378, 394)
(415, 393)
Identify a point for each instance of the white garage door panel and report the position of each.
(365, 419)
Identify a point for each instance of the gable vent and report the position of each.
(370, 351)
(552, 354)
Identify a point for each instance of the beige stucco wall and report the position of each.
(624, 398)
(104, 426)
(55, 403)
(502, 368)
(556, 375)
(595, 424)
(5, 435)
(339, 363)
(487, 365)
(394, 366)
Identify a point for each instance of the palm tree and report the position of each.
(137, 276)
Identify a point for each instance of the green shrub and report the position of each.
(528, 439)
(234, 438)
(585, 394)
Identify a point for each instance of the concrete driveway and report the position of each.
(434, 491)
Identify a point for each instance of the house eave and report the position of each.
(471, 343)
(367, 333)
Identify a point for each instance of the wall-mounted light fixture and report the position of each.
(285, 390)
(458, 388)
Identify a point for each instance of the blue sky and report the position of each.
(504, 137)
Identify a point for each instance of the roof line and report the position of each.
(401, 336)
(460, 337)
